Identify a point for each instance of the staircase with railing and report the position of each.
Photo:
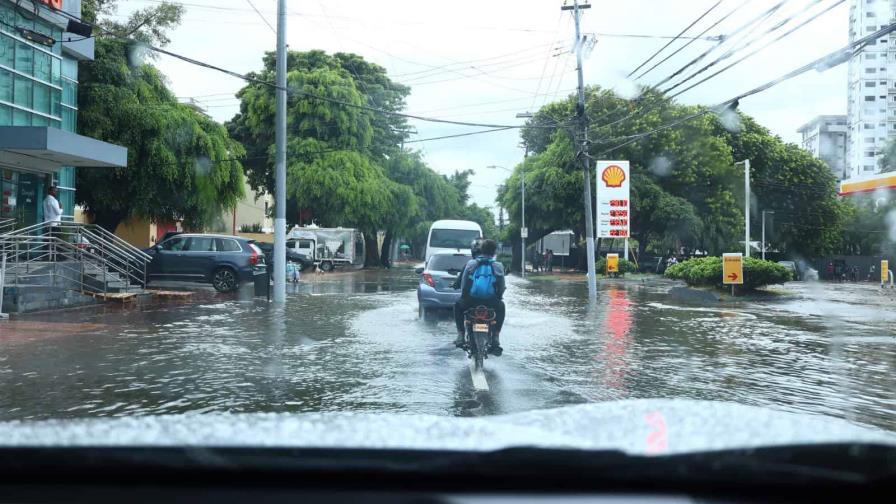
(58, 258)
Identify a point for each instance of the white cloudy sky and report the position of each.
(512, 44)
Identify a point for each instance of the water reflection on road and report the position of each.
(353, 342)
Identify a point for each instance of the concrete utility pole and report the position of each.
(763, 230)
(280, 181)
(523, 230)
(746, 163)
(586, 164)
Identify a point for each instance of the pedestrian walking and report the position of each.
(53, 216)
(550, 260)
(871, 271)
(830, 271)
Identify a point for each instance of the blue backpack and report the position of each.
(483, 284)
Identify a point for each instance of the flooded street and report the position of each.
(353, 342)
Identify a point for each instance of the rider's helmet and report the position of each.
(476, 247)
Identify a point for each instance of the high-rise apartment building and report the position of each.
(871, 106)
(825, 138)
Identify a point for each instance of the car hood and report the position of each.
(644, 426)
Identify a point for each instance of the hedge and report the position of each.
(708, 271)
(625, 266)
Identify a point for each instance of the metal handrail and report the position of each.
(100, 238)
(46, 248)
(7, 225)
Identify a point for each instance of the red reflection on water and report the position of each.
(617, 325)
(658, 437)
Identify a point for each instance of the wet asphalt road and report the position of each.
(353, 343)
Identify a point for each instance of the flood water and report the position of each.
(354, 343)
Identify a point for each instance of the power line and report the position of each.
(308, 95)
(544, 67)
(830, 60)
(261, 16)
(785, 34)
(456, 136)
(683, 47)
(753, 22)
(727, 54)
(688, 27)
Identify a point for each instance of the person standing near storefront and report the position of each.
(53, 216)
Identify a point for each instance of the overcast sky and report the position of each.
(485, 61)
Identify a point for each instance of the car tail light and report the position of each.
(253, 259)
(428, 279)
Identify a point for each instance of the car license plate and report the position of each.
(480, 327)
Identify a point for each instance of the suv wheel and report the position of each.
(224, 280)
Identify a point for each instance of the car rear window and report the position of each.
(445, 262)
(227, 245)
(452, 238)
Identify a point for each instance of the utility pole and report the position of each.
(586, 164)
(280, 166)
(746, 163)
(523, 231)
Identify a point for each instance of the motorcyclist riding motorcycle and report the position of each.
(481, 283)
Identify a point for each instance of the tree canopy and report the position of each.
(687, 190)
(181, 164)
(345, 163)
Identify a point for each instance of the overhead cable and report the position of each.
(688, 27)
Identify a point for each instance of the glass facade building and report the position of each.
(38, 87)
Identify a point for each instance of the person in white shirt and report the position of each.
(53, 215)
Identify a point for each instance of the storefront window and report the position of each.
(69, 119)
(70, 69)
(21, 118)
(24, 58)
(6, 85)
(22, 95)
(42, 66)
(41, 98)
(56, 71)
(7, 50)
(69, 92)
(55, 102)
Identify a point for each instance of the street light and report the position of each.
(763, 230)
(523, 230)
(746, 163)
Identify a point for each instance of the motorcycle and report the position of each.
(479, 323)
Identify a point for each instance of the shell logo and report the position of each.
(613, 176)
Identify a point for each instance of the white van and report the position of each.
(451, 236)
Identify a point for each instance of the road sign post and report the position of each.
(612, 264)
(733, 270)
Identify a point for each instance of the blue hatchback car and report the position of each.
(435, 290)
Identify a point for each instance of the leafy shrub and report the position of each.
(251, 228)
(625, 266)
(708, 271)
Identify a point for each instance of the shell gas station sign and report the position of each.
(870, 184)
(613, 209)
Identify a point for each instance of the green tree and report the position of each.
(809, 217)
(181, 164)
(686, 189)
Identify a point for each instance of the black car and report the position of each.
(302, 261)
(222, 260)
